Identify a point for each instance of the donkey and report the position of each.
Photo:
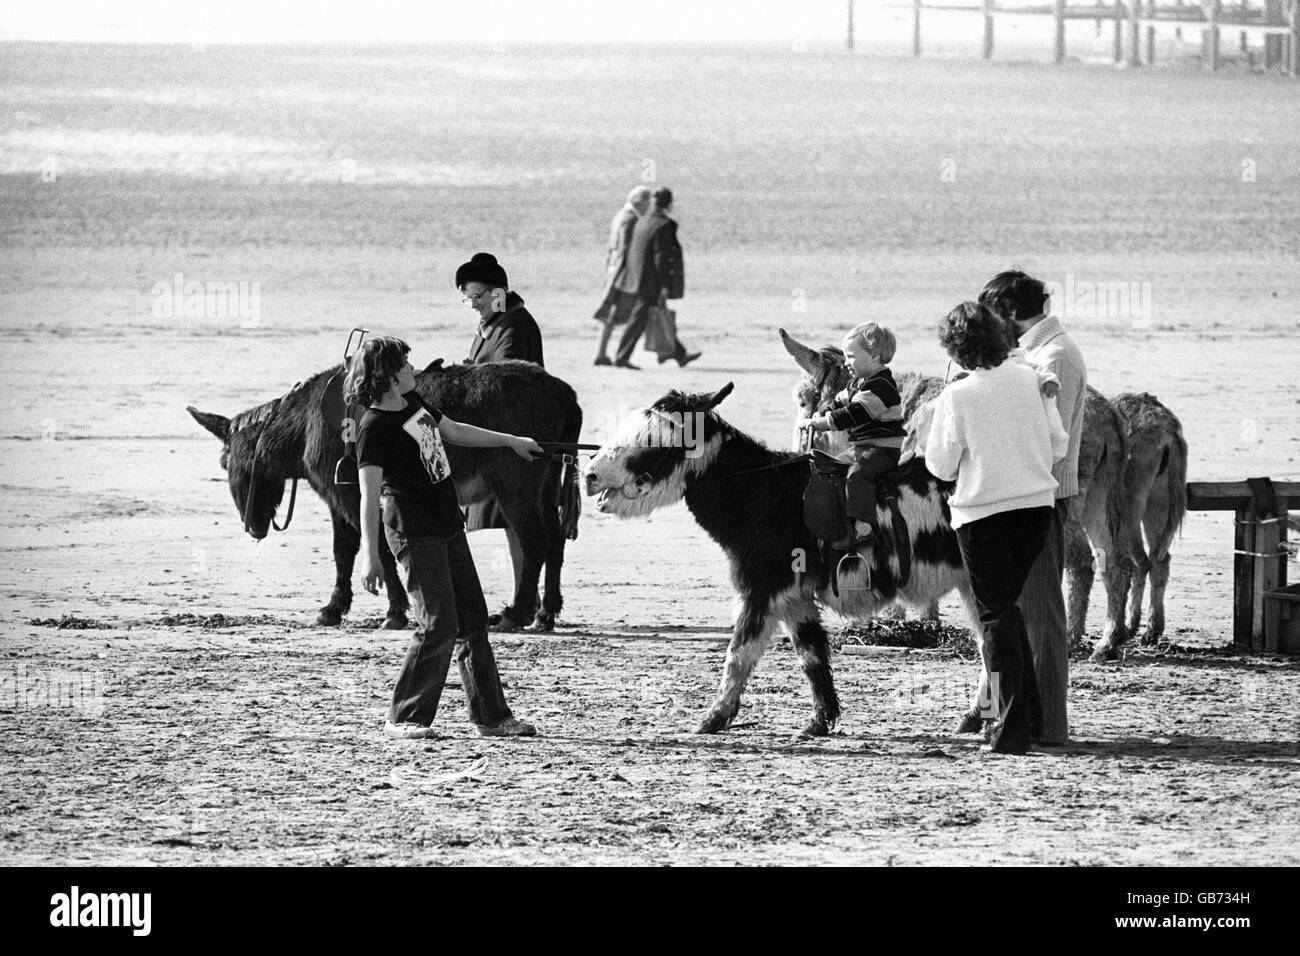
(290, 438)
(1095, 521)
(1153, 496)
(749, 498)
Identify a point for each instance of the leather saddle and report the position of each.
(826, 517)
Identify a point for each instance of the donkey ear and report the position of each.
(219, 425)
(807, 358)
(720, 394)
(434, 366)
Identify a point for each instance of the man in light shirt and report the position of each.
(1023, 302)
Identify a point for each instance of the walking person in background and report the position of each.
(405, 475)
(654, 273)
(1022, 302)
(615, 306)
(506, 330)
(997, 436)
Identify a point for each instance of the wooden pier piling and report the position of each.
(1274, 22)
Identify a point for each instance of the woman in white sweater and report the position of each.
(997, 436)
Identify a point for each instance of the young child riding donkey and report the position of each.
(870, 410)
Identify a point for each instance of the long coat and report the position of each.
(512, 334)
(620, 236)
(654, 259)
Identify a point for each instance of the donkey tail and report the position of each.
(570, 493)
(1176, 477)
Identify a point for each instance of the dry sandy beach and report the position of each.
(342, 188)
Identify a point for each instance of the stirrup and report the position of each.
(854, 555)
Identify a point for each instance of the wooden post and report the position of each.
(1293, 47)
(1270, 572)
(1119, 31)
(1151, 34)
(850, 34)
(1269, 558)
(1259, 536)
(1243, 575)
(988, 29)
(916, 27)
(1211, 34)
(1058, 47)
(1134, 33)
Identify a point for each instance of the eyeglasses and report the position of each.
(475, 298)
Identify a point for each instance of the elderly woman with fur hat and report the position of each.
(505, 331)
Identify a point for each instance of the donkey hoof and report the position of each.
(817, 727)
(394, 622)
(505, 624)
(329, 617)
(971, 723)
(1150, 638)
(1104, 655)
(715, 722)
(543, 623)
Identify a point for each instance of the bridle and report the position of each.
(266, 416)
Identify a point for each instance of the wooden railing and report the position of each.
(1260, 549)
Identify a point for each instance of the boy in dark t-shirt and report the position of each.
(405, 475)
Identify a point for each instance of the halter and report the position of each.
(266, 415)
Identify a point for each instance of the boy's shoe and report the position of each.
(687, 359)
(860, 535)
(510, 727)
(603, 360)
(628, 365)
(407, 730)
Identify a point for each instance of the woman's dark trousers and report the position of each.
(998, 552)
(448, 603)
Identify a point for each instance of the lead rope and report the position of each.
(257, 458)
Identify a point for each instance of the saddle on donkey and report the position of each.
(830, 515)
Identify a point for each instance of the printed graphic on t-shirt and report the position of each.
(424, 430)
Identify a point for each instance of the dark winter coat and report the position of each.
(512, 334)
(654, 259)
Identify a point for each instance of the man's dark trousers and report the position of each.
(636, 324)
(998, 552)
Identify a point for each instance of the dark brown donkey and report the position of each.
(289, 438)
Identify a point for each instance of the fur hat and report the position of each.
(482, 267)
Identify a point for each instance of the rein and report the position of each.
(797, 460)
(267, 419)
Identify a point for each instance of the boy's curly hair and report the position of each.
(975, 336)
(373, 368)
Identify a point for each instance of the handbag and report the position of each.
(661, 331)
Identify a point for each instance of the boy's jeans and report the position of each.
(448, 603)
